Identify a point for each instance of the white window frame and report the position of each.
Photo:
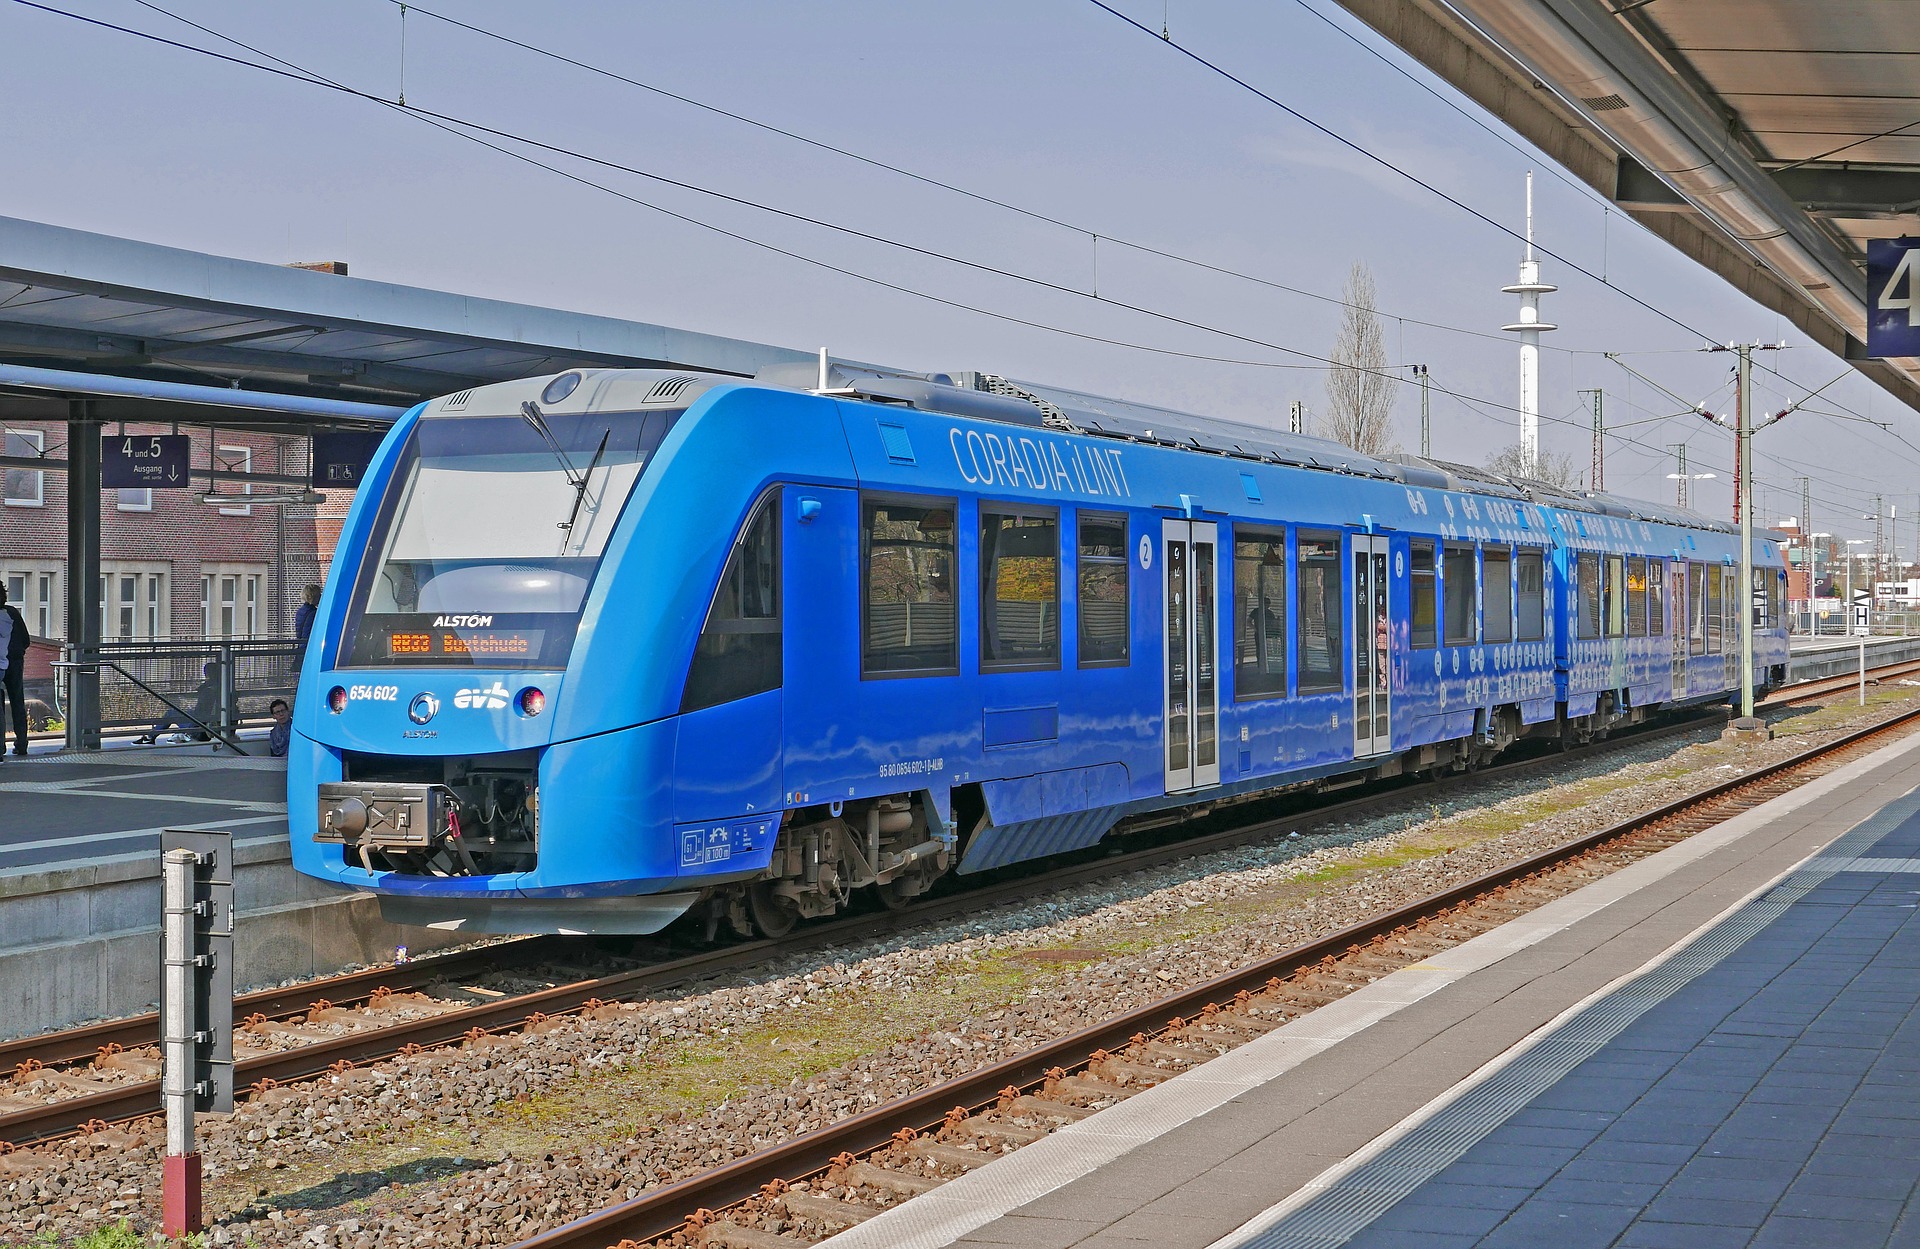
(135, 500)
(39, 440)
(249, 599)
(152, 604)
(53, 624)
(235, 460)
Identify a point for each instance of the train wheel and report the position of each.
(894, 896)
(773, 915)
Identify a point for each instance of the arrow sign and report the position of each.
(144, 462)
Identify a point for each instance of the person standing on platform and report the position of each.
(303, 622)
(13, 670)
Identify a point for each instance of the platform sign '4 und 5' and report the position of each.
(1893, 297)
(144, 462)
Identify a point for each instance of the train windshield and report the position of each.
(489, 536)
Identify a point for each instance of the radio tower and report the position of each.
(1529, 327)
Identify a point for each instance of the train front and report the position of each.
(435, 739)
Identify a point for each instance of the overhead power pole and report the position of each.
(1743, 426)
(1426, 437)
(1597, 470)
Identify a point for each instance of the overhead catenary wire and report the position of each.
(459, 127)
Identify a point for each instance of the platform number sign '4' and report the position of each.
(1893, 297)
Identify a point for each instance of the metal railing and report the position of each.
(143, 683)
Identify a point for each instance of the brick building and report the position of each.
(171, 566)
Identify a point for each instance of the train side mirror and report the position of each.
(809, 510)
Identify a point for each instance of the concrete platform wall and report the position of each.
(83, 942)
(1829, 657)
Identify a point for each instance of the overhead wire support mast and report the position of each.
(1743, 431)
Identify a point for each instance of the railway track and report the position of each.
(386, 1013)
(791, 1195)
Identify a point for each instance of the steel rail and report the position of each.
(135, 1100)
(665, 1210)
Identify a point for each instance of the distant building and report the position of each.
(171, 566)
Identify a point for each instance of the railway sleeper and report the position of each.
(1047, 1108)
(887, 1180)
(1006, 1133)
(825, 1209)
(958, 1157)
(734, 1236)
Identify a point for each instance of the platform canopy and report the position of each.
(90, 303)
(1766, 139)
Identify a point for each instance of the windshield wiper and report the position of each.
(580, 487)
(531, 411)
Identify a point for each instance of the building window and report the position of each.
(134, 500)
(235, 460)
(1497, 574)
(1587, 584)
(25, 487)
(1019, 587)
(1426, 608)
(1260, 613)
(907, 592)
(738, 653)
(230, 602)
(1530, 576)
(1457, 589)
(1318, 602)
(1104, 598)
(35, 590)
(133, 603)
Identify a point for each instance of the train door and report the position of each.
(1372, 638)
(1677, 618)
(1188, 554)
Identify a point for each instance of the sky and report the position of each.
(1053, 107)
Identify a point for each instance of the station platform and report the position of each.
(80, 881)
(1717, 1045)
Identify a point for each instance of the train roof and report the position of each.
(991, 397)
(988, 396)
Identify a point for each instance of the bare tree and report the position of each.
(1554, 470)
(1360, 391)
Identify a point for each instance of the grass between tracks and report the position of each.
(680, 1079)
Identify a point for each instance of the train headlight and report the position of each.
(559, 388)
(337, 699)
(532, 701)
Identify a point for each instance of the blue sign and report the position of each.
(1893, 297)
(340, 457)
(144, 462)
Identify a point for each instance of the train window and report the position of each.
(1716, 610)
(1636, 596)
(1457, 594)
(1530, 571)
(1614, 595)
(907, 595)
(1656, 597)
(739, 648)
(1104, 562)
(1260, 613)
(1697, 618)
(1318, 601)
(1587, 585)
(1496, 571)
(1761, 598)
(1426, 611)
(1019, 587)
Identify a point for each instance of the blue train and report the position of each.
(605, 648)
